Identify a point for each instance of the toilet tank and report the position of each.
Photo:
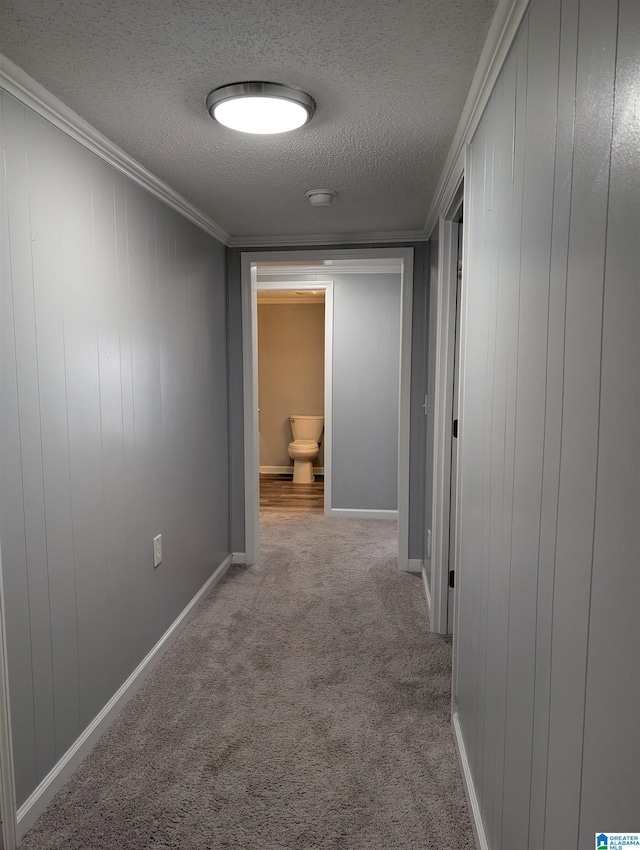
(306, 427)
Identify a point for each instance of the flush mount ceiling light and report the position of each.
(261, 108)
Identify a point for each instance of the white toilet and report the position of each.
(304, 447)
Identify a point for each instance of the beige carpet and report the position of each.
(305, 707)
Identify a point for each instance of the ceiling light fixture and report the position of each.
(261, 108)
(320, 197)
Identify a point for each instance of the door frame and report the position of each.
(448, 228)
(248, 262)
(327, 287)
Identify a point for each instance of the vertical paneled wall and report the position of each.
(366, 391)
(547, 642)
(113, 429)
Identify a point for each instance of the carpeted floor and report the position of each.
(305, 707)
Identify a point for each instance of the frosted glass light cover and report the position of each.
(260, 115)
(260, 107)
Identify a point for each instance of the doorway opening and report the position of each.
(314, 267)
(294, 324)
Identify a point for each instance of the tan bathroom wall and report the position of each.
(290, 374)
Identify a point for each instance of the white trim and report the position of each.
(248, 261)
(425, 582)
(250, 404)
(30, 93)
(414, 565)
(360, 513)
(286, 470)
(280, 297)
(8, 839)
(468, 199)
(328, 396)
(327, 239)
(40, 798)
(238, 558)
(501, 35)
(404, 411)
(392, 267)
(469, 787)
(443, 398)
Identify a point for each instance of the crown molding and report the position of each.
(372, 267)
(327, 239)
(24, 88)
(502, 32)
(32, 94)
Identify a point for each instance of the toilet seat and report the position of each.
(303, 450)
(303, 453)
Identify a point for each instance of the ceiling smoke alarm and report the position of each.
(320, 197)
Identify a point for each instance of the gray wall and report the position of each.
(419, 480)
(547, 635)
(114, 428)
(290, 375)
(366, 391)
(418, 389)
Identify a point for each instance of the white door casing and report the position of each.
(249, 260)
(443, 404)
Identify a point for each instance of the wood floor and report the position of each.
(280, 493)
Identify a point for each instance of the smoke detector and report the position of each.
(320, 197)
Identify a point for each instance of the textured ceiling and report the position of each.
(389, 78)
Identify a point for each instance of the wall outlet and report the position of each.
(157, 550)
(428, 544)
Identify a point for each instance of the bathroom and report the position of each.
(291, 367)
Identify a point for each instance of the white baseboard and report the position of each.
(354, 513)
(414, 565)
(286, 470)
(469, 787)
(238, 557)
(60, 774)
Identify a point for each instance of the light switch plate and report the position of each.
(157, 550)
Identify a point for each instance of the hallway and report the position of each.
(135, 234)
(306, 705)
